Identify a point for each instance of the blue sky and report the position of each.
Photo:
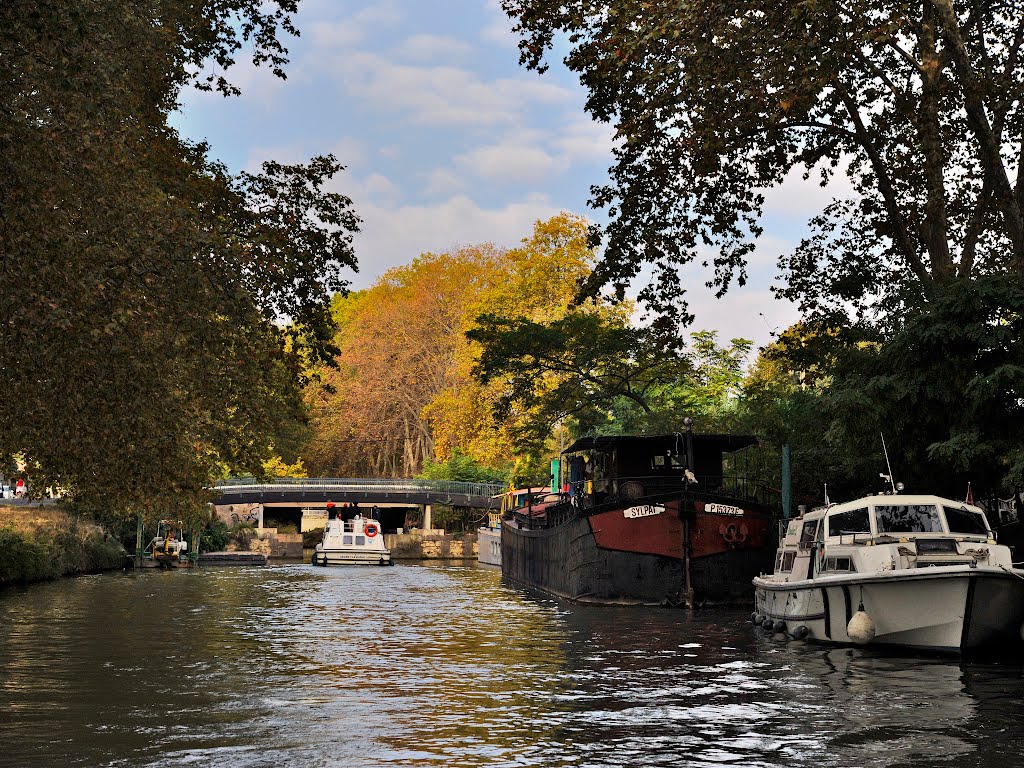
(448, 141)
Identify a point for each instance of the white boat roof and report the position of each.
(898, 498)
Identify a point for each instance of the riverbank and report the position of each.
(41, 543)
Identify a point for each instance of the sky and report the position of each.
(448, 141)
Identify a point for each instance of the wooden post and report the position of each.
(138, 542)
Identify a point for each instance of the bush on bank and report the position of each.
(40, 554)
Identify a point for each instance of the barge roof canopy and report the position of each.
(724, 443)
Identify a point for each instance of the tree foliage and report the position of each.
(399, 346)
(715, 100)
(145, 282)
(404, 395)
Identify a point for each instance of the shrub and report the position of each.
(215, 536)
(311, 538)
(45, 554)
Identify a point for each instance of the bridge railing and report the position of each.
(441, 487)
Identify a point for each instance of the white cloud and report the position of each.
(585, 139)
(349, 151)
(344, 33)
(499, 30)
(425, 47)
(797, 196)
(439, 95)
(513, 162)
(444, 181)
(394, 236)
(749, 313)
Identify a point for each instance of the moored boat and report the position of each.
(914, 571)
(642, 520)
(357, 541)
(168, 548)
(488, 539)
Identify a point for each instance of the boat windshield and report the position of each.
(907, 518)
(850, 521)
(965, 521)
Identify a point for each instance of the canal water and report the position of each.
(443, 665)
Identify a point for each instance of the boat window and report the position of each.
(907, 518)
(851, 521)
(674, 460)
(838, 564)
(807, 534)
(787, 561)
(965, 521)
(360, 540)
(346, 539)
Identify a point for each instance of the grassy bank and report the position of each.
(45, 543)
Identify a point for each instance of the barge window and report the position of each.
(673, 460)
(360, 540)
(346, 540)
(851, 521)
(965, 521)
(907, 518)
(787, 561)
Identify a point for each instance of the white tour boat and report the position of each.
(894, 570)
(358, 541)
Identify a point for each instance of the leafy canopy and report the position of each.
(715, 100)
(145, 282)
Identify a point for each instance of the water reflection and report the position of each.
(428, 666)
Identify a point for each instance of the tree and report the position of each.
(947, 391)
(918, 105)
(574, 368)
(146, 283)
(715, 100)
(399, 347)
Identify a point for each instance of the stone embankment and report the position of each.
(431, 545)
(39, 543)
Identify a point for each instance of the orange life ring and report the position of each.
(370, 530)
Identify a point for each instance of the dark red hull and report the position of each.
(610, 556)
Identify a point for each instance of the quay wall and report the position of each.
(431, 545)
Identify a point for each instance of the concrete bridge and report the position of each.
(301, 498)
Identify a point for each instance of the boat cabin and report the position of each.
(886, 532)
(635, 466)
(355, 541)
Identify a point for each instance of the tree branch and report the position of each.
(977, 120)
(901, 235)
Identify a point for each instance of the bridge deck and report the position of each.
(313, 490)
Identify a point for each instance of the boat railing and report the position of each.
(546, 508)
(643, 487)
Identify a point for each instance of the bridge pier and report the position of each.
(426, 517)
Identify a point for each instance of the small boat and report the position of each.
(358, 541)
(910, 571)
(168, 548)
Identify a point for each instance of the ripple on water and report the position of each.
(443, 665)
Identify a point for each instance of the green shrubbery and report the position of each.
(311, 538)
(48, 554)
(215, 536)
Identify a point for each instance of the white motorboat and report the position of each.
(358, 541)
(894, 570)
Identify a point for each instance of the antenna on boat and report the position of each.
(887, 464)
(826, 495)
